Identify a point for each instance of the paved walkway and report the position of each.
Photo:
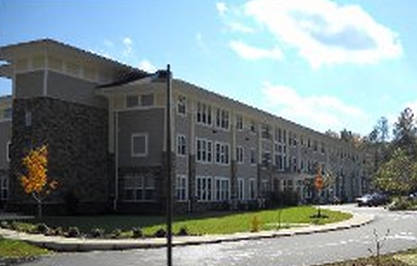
(80, 244)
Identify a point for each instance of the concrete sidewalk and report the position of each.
(81, 244)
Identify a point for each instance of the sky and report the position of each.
(320, 63)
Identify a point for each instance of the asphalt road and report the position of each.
(296, 250)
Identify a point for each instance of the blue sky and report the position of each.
(324, 64)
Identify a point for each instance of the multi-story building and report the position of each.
(106, 132)
(5, 141)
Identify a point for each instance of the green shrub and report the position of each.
(73, 232)
(183, 231)
(97, 233)
(42, 228)
(5, 225)
(160, 233)
(403, 203)
(137, 232)
(116, 233)
(58, 231)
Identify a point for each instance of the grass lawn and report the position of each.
(12, 249)
(199, 224)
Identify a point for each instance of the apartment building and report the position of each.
(106, 132)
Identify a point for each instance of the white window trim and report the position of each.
(226, 156)
(185, 188)
(180, 136)
(216, 189)
(208, 143)
(241, 191)
(211, 188)
(179, 101)
(240, 148)
(145, 154)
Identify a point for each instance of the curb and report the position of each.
(57, 243)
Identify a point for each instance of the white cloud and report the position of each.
(253, 53)
(127, 46)
(323, 32)
(147, 66)
(221, 7)
(319, 112)
(238, 27)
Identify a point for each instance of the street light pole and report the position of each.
(169, 211)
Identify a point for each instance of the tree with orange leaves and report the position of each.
(35, 182)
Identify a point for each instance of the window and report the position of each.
(181, 188)
(4, 187)
(294, 164)
(203, 114)
(139, 188)
(222, 153)
(239, 122)
(132, 101)
(182, 105)
(284, 136)
(204, 150)
(278, 135)
(266, 158)
(252, 189)
(181, 145)
(279, 161)
(221, 188)
(240, 189)
(294, 140)
(222, 119)
(139, 145)
(139, 100)
(28, 118)
(322, 147)
(252, 156)
(146, 99)
(266, 131)
(204, 188)
(315, 145)
(265, 188)
(8, 151)
(253, 126)
(7, 113)
(240, 155)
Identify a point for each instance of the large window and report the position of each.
(266, 131)
(222, 119)
(252, 156)
(203, 114)
(266, 158)
(204, 188)
(4, 187)
(222, 153)
(181, 188)
(144, 100)
(182, 105)
(139, 145)
(240, 158)
(139, 188)
(222, 188)
(181, 145)
(204, 150)
(240, 189)
(239, 122)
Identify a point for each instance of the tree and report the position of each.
(35, 182)
(399, 174)
(405, 132)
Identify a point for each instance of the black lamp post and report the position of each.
(169, 209)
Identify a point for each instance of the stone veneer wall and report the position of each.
(77, 138)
